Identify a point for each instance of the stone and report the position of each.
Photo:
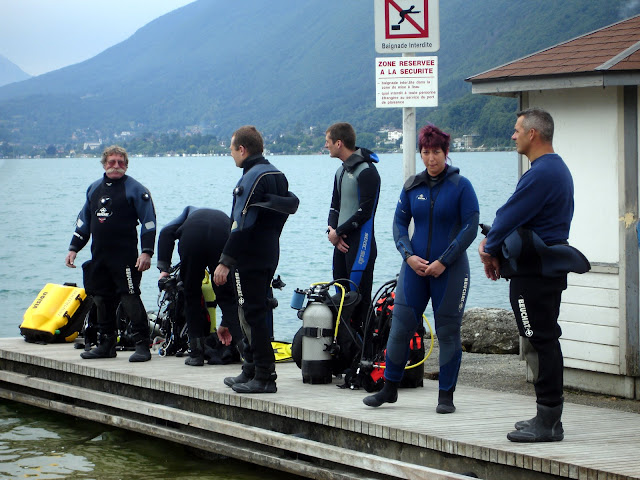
(490, 330)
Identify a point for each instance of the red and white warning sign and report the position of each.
(407, 26)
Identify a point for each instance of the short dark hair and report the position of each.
(249, 137)
(343, 131)
(114, 150)
(432, 136)
(540, 120)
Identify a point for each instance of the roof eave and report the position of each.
(512, 86)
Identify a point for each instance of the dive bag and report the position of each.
(56, 315)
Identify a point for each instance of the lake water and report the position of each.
(40, 198)
(39, 201)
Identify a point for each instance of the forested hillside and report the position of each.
(284, 66)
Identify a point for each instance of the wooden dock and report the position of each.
(320, 431)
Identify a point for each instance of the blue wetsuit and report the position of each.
(543, 203)
(356, 190)
(445, 213)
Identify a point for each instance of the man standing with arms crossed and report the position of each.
(539, 215)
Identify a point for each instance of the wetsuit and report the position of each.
(202, 234)
(261, 205)
(110, 217)
(445, 213)
(356, 190)
(543, 203)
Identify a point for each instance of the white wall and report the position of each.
(588, 129)
(587, 136)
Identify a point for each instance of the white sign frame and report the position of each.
(404, 26)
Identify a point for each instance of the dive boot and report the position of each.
(142, 353)
(544, 427)
(388, 394)
(196, 353)
(256, 385)
(245, 376)
(523, 423)
(445, 402)
(106, 347)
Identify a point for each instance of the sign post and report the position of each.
(407, 27)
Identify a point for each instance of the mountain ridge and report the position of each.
(10, 72)
(214, 65)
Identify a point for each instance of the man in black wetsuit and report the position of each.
(356, 190)
(202, 234)
(261, 204)
(114, 206)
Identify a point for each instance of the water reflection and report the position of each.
(37, 444)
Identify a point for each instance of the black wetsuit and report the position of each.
(202, 234)
(261, 205)
(356, 190)
(110, 217)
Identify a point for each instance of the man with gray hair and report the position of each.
(537, 217)
(114, 205)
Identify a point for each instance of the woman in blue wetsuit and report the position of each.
(444, 208)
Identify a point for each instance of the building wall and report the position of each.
(589, 136)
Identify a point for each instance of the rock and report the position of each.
(489, 330)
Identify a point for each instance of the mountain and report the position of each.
(214, 65)
(10, 72)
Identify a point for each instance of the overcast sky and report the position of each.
(44, 35)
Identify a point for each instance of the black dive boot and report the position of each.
(247, 374)
(258, 384)
(544, 427)
(388, 394)
(196, 353)
(445, 402)
(524, 423)
(142, 353)
(106, 347)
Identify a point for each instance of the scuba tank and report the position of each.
(317, 348)
(317, 337)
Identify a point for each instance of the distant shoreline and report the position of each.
(137, 155)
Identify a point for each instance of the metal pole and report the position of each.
(409, 137)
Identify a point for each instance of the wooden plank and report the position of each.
(591, 366)
(597, 280)
(600, 297)
(590, 352)
(590, 315)
(598, 334)
(599, 443)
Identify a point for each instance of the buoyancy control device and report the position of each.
(367, 370)
(326, 341)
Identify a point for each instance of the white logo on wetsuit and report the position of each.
(103, 214)
(528, 332)
(465, 287)
(239, 289)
